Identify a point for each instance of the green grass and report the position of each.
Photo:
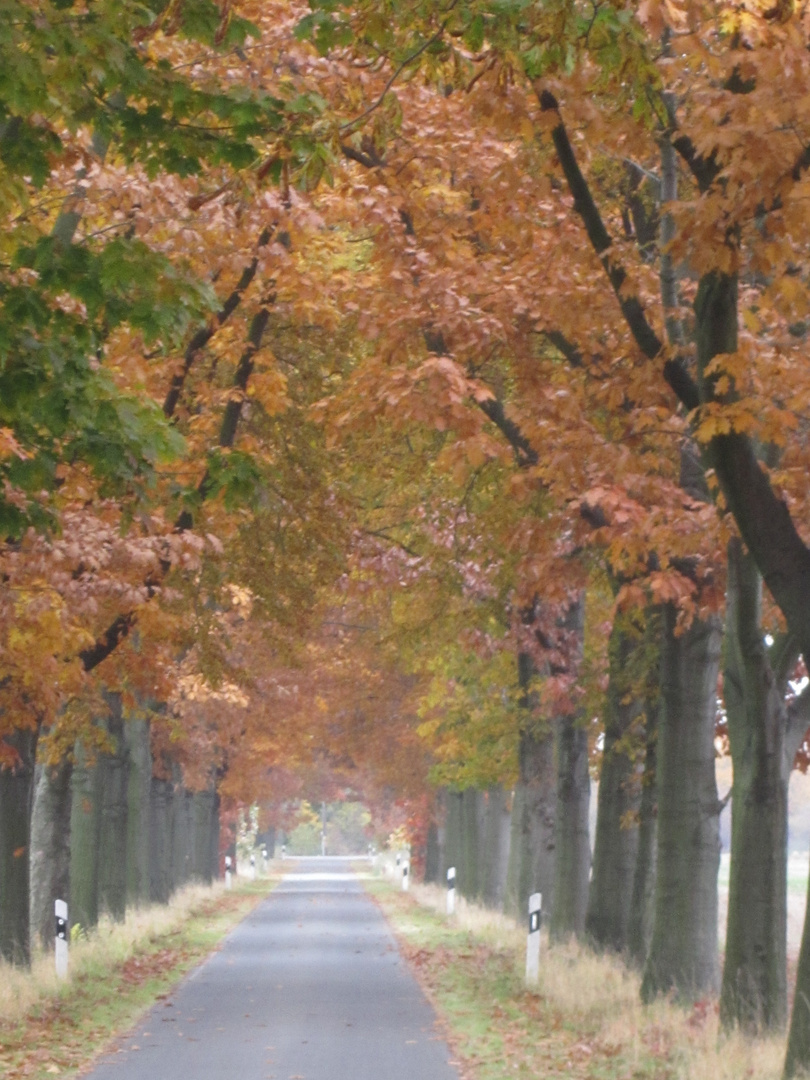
(50, 1028)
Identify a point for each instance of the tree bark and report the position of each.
(137, 735)
(495, 847)
(85, 836)
(50, 849)
(161, 829)
(572, 840)
(203, 804)
(182, 833)
(640, 922)
(16, 803)
(468, 875)
(683, 953)
(113, 769)
(453, 831)
(763, 743)
(617, 831)
(532, 840)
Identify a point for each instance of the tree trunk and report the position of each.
(617, 832)
(532, 840)
(161, 829)
(113, 769)
(202, 810)
(50, 849)
(495, 847)
(468, 875)
(16, 803)
(754, 990)
(137, 735)
(181, 834)
(683, 952)
(85, 836)
(432, 855)
(453, 832)
(639, 927)
(572, 839)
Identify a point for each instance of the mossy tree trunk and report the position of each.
(683, 954)
(16, 804)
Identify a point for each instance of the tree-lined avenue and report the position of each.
(311, 985)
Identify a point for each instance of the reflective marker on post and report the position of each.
(61, 912)
(451, 890)
(227, 871)
(533, 939)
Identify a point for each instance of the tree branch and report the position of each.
(675, 371)
(205, 333)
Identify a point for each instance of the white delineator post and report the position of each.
(533, 939)
(227, 871)
(61, 943)
(405, 869)
(252, 867)
(451, 890)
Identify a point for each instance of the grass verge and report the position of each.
(49, 1028)
(583, 1020)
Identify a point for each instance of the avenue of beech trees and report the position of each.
(409, 401)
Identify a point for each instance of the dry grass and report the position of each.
(111, 944)
(49, 1026)
(585, 1017)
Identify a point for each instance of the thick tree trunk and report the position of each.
(113, 769)
(683, 952)
(640, 922)
(161, 829)
(532, 840)
(16, 803)
(182, 834)
(453, 831)
(468, 878)
(572, 839)
(432, 855)
(137, 735)
(617, 832)
(495, 847)
(85, 836)
(50, 849)
(754, 990)
(213, 854)
(203, 804)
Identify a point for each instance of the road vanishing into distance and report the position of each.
(310, 986)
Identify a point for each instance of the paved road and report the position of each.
(309, 987)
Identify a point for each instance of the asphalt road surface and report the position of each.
(310, 986)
